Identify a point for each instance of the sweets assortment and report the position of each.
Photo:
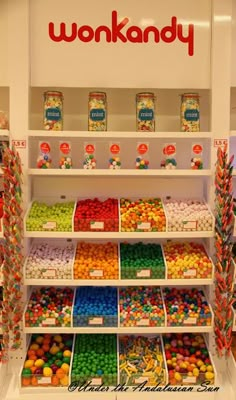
(96, 261)
(142, 215)
(141, 261)
(188, 359)
(141, 306)
(96, 215)
(49, 307)
(97, 111)
(145, 112)
(190, 112)
(56, 217)
(95, 360)
(53, 111)
(141, 360)
(48, 361)
(46, 261)
(187, 261)
(188, 215)
(187, 307)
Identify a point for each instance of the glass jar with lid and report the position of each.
(97, 111)
(145, 112)
(190, 112)
(53, 111)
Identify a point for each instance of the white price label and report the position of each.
(50, 225)
(50, 273)
(143, 225)
(19, 144)
(96, 381)
(143, 322)
(44, 380)
(96, 272)
(144, 273)
(189, 379)
(220, 143)
(141, 379)
(49, 321)
(189, 225)
(96, 321)
(97, 225)
(190, 272)
(190, 321)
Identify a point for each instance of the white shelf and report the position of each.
(119, 330)
(118, 282)
(119, 134)
(122, 172)
(4, 132)
(119, 235)
(232, 133)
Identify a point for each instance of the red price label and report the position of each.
(169, 150)
(90, 148)
(19, 144)
(65, 148)
(45, 148)
(115, 149)
(142, 148)
(197, 149)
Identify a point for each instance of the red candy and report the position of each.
(96, 216)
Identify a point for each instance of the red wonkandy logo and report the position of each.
(133, 34)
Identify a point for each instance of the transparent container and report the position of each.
(53, 111)
(145, 112)
(97, 111)
(190, 112)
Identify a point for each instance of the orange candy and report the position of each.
(96, 261)
(55, 380)
(34, 381)
(26, 381)
(60, 373)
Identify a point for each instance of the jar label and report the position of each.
(191, 115)
(146, 114)
(53, 114)
(97, 114)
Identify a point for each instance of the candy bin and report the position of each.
(50, 261)
(96, 261)
(94, 215)
(95, 307)
(187, 261)
(188, 215)
(141, 361)
(48, 361)
(141, 261)
(141, 306)
(188, 359)
(142, 215)
(187, 307)
(95, 360)
(56, 217)
(49, 307)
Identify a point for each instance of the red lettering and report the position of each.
(105, 29)
(147, 31)
(138, 38)
(62, 35)
(171, 30)
(85, 37)
(188, 39)
(116, 28)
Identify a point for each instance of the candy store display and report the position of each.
(95, 306)
(197, 156)
(47, 261)
(141, 261)
(142, 158)
(57, 217)
(48, 361)
(145, 112)
(190, 112)
(94, 215)
(44, 159)
(114, 160)
(65, 155)
(187, 261)
(187, 307)
(49, 307)
(97, 111)
(89, 156)
(95, 360)
(141, 360)
(169, 153)
(96, 261)
(188, 215)
(188, 359)
(141, 306)
(142, 215)
(53, 111)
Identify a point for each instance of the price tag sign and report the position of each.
(190, 272)
(143, 322)
(141, 379)
(49, 321)
(190, 321)
(96, 273)
(97, 225)
(220, 143)
(19, 144)
(50, 273)
(44, 380)
(144, 273)
(96, 321)
(189, 225)
(143, 225)
(96, 381)
(50, 225)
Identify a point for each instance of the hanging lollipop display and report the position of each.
(224, 275)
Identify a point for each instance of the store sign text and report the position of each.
(116, 33)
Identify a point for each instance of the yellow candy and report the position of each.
(47, 371)
(209, 368)
(195, 372)
(178, 377)
(209, 376)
